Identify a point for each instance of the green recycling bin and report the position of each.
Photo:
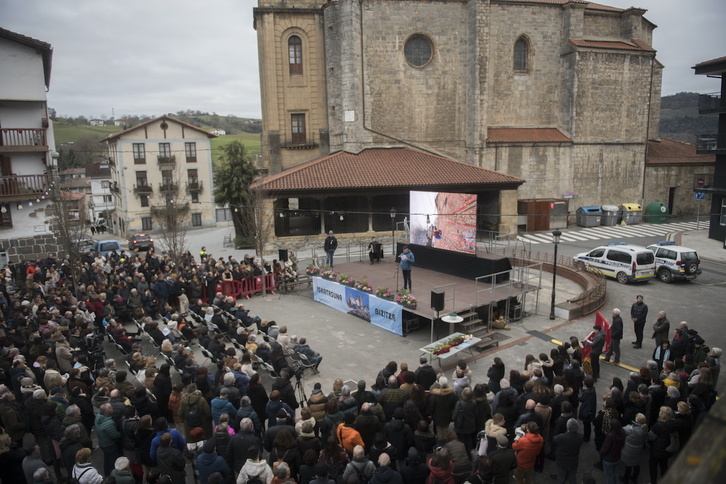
(656, 213)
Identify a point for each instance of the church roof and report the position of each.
(526, 135)
(634, 44)
(375, 168)
(671, 152)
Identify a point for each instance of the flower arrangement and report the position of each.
(405, 298)
(364, 286)
(385, 293)
(329, 274)
(445, 346)
(347, 280)
(312, 270)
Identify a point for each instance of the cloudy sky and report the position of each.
(159, 56)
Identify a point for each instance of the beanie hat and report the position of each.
(122, 463)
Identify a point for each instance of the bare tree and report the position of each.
(68, 221)
(171, 216)
(258, 221)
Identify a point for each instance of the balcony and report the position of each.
(22, 187)
(711, 103)
(18, 140)
(168, 188)
(166, 160)
(711, 144)
(194, 187)
(143, 189)
(299, 142)
(114, 187)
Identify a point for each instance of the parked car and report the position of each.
(105, 247)
(675, 262)
(624, 262)
(141, 242)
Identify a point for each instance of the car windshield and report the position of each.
(689, 255)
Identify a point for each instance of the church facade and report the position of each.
(564, 94)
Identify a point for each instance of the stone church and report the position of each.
(563, 94)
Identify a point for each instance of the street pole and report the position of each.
(393, 234)
(556, 239)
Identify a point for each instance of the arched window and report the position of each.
(294, 49)
(521, 54)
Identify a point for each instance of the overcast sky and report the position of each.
(159, 56)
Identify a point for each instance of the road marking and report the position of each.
(614, 232)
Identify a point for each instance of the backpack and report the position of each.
(277, 463)
(72, 479)
(192, 415)
(254, 480)
(675, 443)
(362, 477)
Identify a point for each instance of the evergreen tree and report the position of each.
(232, 185)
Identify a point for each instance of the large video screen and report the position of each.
(444, 220)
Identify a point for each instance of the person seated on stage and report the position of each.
(312, 356)
(374, 250)
(288, 273)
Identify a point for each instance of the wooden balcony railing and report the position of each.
(143, 188)
(22, 186)
(194, 187)
(19, 139)
(166, 160)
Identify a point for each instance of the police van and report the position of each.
(621, 261)
(675, 262)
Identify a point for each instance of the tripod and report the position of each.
(300, 392)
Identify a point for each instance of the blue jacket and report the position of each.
(219, 406)
(177, 441)
(406, 263)
(208, 463)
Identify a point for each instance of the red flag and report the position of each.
(601, 321)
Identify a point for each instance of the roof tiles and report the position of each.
(671, 152)
(395, 167)
(635, 44)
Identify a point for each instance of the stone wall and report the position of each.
(29, 248)
(659, 179)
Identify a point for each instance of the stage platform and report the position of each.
(461, 294)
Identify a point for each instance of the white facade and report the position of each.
(101, 198)
(160, 159)
(27, 135)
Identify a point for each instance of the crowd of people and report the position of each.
(240, 417)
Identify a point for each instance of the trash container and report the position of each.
(631, 213)
(610, 215)
(588, 216)
(656, 213)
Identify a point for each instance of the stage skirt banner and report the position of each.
(385, 314)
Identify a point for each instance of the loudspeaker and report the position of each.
(437, 300)
(283, 255)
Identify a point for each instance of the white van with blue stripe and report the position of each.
(621, 261)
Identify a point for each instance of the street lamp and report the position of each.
(556, 239)
(393, 233)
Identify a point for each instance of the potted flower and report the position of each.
(347, 280)
(406, 299)
(364, 286)
(385, 293)
(312, 270)
(329, 274)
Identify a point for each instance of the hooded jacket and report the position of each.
(528, 448)
(222, 405)
(441, 405)
(440, 475)
(255, 469)
(349, 437)
(386, 475)
(209, 463)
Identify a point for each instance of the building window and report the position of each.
(196, 219)
(146, 224)
(139, 153)
(167, 177)
(107, 199)
(294, 48)
(195, 197)
(223, 214)
(521, 54)
(165, 149)
(723, 211)
(192, 177)
(144, 200)
(105, 184)
(298, 129)
(418, 50)
(141, 180)
(191, 151)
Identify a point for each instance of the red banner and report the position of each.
(601, 321)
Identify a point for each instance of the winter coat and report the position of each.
(239, 444)
(349, 437)
(123, 477)
(316, 403)
(172, 463)
(635, 439)
(106, 431)
(196, 398)
(464, 417)
(360, 468)
(495, 375)
(588, 407)
(660, 439)
(255, 469)
(386, 475)
(528, 448)
(87, 474)
(441, 405)
(222, 405)
(612, 447)
(208, 463)
(439, 474)
(399, 435)
(567, 450)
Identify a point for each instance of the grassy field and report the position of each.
(65, 133)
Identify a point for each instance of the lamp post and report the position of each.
(393, 233)
(556, 239)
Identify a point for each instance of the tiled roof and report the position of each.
(526, 135)
(713, 66)
(712, 61)
(607, 8)
(168, 118)
(44, 47)
(670, 152)
(590, 5)
(394, 167)
(635, 44)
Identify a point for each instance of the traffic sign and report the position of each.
(700, 182)
(700, 195)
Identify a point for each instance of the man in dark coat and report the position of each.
(638, 313)
(425, 375)
(385, 474)
(441, 406)
(597, 343)
(567, 452)
(661, 329)
(287, 392)
(616, 334)
(239, 444)
(503, 460)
